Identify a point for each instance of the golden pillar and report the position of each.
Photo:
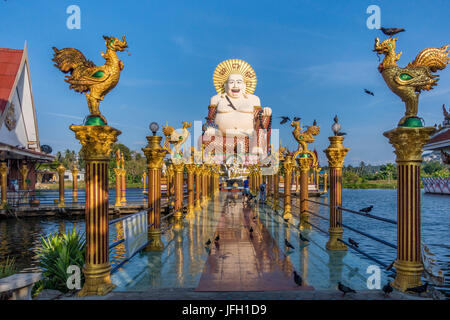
(123, 197)
(155, 155)
(317, 170)
(118, 173)
(178, 168)
(204, 184)
(408, 143)
(96, 141)
(144, 182)
(276, 182)
(169, 184)
(336, 153)
(288, 167)
(198, 186)
(4, 182)
(24, 174)
(304, 163)
(61, 170)
(190, 168)
(75, 183)
(325, 176)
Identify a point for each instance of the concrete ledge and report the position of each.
(18, 286)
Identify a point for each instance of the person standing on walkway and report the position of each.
(246, 192)
(262, 192)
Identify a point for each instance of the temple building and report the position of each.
(20, 147)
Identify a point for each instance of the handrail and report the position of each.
(368, 215)
(363, 253)
(321, 203)
(123, 240)
(370, 236)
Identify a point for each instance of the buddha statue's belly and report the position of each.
(235, 122)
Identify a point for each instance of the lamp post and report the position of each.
(155, 155)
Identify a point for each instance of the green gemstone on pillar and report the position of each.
(412, 122)
(94, 121)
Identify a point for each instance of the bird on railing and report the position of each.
(302, 237)
(366, 210)
(208, 242)
(389, 267)
(353, 242)
(217, 238)
(419, 289)
(387, 289)
(297, 279)
(288, 244)
(344, 289)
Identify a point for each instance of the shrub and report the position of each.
(58, 252)
(8, 267)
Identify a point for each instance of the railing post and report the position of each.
(74, 183)
(198, 186)
(204, 185)
(336, 153)
(118, 203)
(155, 156)
(144, 182)
(178, 168)
(123, 199)
(61, 170)
(96, 141)
(4, 182)
(276, 182)
(408, 143)
(288, 167)
(325, 176)
(190, 168)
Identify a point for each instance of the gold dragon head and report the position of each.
(116, 44)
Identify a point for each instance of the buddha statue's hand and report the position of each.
(266, 112)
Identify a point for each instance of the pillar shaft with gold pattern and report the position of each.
(336, 153)
(155, 155)
(118, 173)
(61, 170)
(24, 174)
(123, 199)
(288, 167)
(144, 182)
(204, 184)
(325, 176)
(276, 182)
(408, 143)
(178, 168)
(304, 163)
(190, 168)
(96, 142)
(169, 182)
(4, 182)
(75, 183)
(198, 186)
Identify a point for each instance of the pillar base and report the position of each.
(304, 218)
(118, 204)
(198, 205)
(97, 280)
(333, 243)
(156, 244)
(408, 275)
(61, 204)
(287, 214)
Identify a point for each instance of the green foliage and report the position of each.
(58, 252)
(8, 267)
(434, 169)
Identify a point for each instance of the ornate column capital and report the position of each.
(304, 163)
(154, 153)
(336, 152)
(96, 141)
(408, 142)
(3, 168)
(61, 169)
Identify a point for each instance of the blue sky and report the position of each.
(312, 59)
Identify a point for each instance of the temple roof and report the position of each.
(441, 140)
(10, 60)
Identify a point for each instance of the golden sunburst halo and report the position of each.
(225, 68)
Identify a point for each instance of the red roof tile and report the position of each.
(440, 137)
(9, 66)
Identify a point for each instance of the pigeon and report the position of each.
(336, 127)
(302, 237)
(217, 238)
(297, 118)
(391, 31)
(285, 119)
(369, 92)
(419, 289)
(389, 267)
(314, 123)
(288, 244)
(286, 220)
(297, 279)
(208, 242)
(340, 134)
(216, 244)
(251, 229)
(387, 289)
(344, 289)
(353, 242)
(366, 210)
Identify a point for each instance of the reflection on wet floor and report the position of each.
(241, 260)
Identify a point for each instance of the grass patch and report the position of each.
(8, 267)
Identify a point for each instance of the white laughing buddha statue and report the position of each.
(235, 111)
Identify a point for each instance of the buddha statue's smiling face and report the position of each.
(235, 85)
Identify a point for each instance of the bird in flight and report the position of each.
(391, 31)
(369, 92)
(344, 289)
(284, 120)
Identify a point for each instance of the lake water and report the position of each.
(21, 238)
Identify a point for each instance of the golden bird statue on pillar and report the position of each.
(408, 82)
(85, 77)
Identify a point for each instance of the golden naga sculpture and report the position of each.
(304, 137)
(175, 137)
(85, 77)
(408, 82)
